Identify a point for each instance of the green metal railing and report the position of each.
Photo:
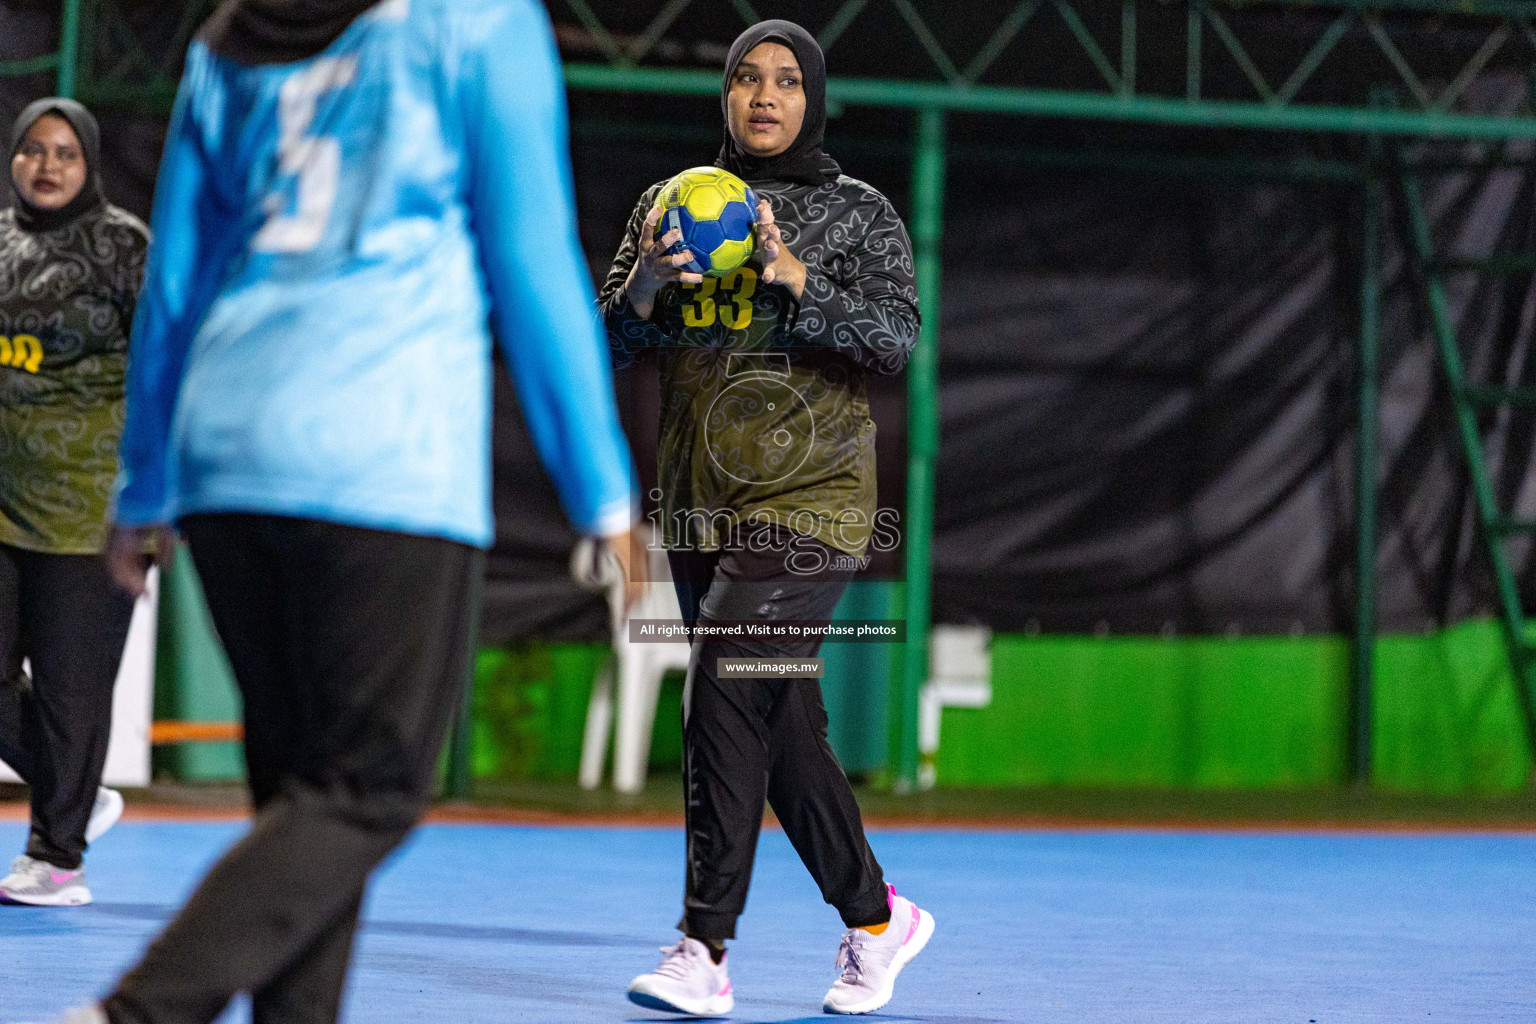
(1506, 30)
(1109, 41)
(1494, 526)
(1171, 111)
(64, 61)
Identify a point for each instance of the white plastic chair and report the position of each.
(633, 672)
(959, 676)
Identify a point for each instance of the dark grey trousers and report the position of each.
(64, 614)
(747, 740)
(351, 648)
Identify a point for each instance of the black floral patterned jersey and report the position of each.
(764, 414)
(66, 305)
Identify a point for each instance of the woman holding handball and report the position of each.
(768, 503)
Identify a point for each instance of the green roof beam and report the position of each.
(28, 65)
(982, 99)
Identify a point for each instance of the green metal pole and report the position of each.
(69, 48)
(1366, 475)
(922, 431)
(85, 64)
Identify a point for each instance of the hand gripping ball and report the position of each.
(717, 214)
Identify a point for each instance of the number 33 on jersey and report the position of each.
(725, 300)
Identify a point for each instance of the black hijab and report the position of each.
(278, 31)
(803, 162)
(35, 218)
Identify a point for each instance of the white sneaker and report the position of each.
(104, 813)
(687, 981)
(36, 883)
(871, 962)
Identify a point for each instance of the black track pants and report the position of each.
(350, 648)
(749, 739)
(65, 615)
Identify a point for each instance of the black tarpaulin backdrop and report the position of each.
(1148, 404)
(1147, 380)
(1148, 396)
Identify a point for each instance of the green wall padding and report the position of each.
(1243, 713)
(530, 706)
(531, 702)
(667, 733)
(1203, 712)
(193, 680)
(1136, 711)
(1446, 719)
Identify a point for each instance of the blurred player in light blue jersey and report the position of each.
(354, 198)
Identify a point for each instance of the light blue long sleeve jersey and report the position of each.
(335, 241)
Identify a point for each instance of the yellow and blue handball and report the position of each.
(717, 214)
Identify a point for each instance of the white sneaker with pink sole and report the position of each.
(871, 962)
(688, 982)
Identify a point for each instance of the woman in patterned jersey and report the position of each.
(70, 267)
(767, 470)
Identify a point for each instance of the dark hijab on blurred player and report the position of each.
(278, 31)
(829, 296)
(70, 270)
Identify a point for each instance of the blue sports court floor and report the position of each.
(474, 924)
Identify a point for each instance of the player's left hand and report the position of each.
(779, 264)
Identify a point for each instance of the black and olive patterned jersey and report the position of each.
(764, 415)
(66, 305)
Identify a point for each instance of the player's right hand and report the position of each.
(601, 564)
(127, 559)
(622, 546)
(655, 267)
